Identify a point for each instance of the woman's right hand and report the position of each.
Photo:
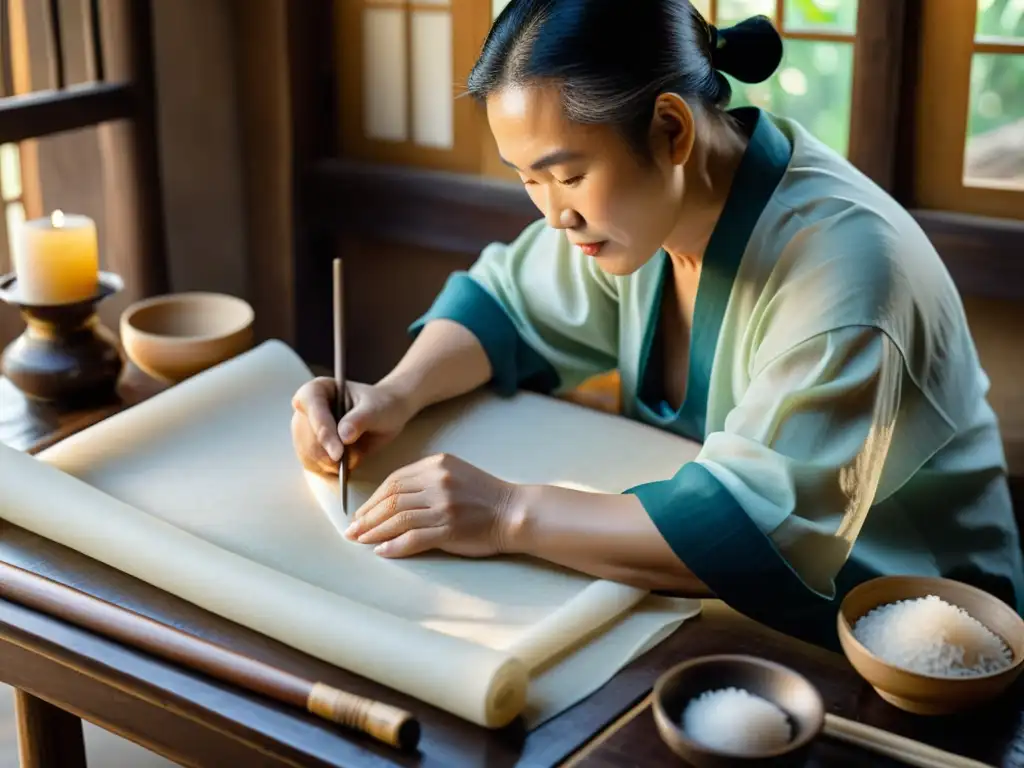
(376, 416)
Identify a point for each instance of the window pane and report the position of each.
(384, 74)
(732, 11)
(812, 86)
(995, 125)
(1001, 18)
(432, 97)
(821, 15)
(10, 171)
(15, 215)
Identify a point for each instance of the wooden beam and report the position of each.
(461, 214)
(985, 256)
(42, 113)
(136, 243)
(904, 180)
(449, 212)
(877, 89)
(311, 79)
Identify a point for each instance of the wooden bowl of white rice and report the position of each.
(929, 645)
(732, 710)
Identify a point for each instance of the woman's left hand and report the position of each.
(440, 502)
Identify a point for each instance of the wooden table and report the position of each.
(63, 673)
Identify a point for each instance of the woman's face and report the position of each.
(586, 179)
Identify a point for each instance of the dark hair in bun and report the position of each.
(750, 51)
(612, 58)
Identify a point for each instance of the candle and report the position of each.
(58, 262)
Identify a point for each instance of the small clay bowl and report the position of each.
(176, 336)
(913, 691)
(788, 690)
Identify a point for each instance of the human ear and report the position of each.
(673, 128)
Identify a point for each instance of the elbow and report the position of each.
(685, 585)
(673, 579)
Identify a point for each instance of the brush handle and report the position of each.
(341, 400)
(341, 388)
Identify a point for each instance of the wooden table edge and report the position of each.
(144, 689)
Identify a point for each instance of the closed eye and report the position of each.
(574, 181)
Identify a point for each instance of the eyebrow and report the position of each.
(552, 158)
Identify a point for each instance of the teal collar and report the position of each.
(763, 165)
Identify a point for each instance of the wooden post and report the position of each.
(261, 48)
(878, 89)
(48, 737)
(136, 242)
(311, 68)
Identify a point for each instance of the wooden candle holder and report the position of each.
(65, 354)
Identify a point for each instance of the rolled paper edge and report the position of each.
(585, 615)
(507, 693)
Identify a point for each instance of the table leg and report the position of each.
(48, 737)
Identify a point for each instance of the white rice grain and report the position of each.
(736, 721)
(932, 637)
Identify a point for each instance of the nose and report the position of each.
(558, 214)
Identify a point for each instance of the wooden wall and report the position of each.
(225, 146)
(199, 129)
(391, 284)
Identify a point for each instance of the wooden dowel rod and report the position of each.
(388, 724)
(94, 43)
(57, 77)
(897, 747)
(7, 88)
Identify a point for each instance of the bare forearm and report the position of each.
(605, 535)
(446, 360)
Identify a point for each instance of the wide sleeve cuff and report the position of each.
(514, 363)
(722, 545)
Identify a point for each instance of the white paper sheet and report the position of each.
(212, 458)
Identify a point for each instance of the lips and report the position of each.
(591, 249)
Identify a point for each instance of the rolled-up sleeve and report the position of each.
(767, 514)
(543, 312)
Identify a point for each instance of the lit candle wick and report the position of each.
(57, 219)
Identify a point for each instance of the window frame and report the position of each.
(943, 76)
(877, 42)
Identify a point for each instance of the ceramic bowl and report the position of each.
(928, 694)
(787, 689)
(176, 336)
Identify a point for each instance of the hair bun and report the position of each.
(749, 51)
